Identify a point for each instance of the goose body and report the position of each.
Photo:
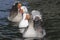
(34, 32)
(30, 31)
(17, 18)
(24, 22)
(15, 14)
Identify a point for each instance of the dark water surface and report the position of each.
(7, 32)
(51, 16)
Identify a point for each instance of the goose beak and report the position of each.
(27, 17)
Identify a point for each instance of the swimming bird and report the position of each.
(15, 13)
(35, 30)
(37, 20)
(24, 22)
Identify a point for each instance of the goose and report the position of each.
(35, 30)
(15, 13)
(24, 22)
(31, 33)
(37, 18)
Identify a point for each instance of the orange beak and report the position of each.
(27, 17)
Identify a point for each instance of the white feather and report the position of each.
(24, 23)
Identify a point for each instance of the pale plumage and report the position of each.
(37, 19)
(15, 14)
(33, 31)
(30, 33)
(24, 22)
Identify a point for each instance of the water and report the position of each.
(6, 30)
(4, 11)
(51, 15)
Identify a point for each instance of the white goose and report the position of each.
(37, 18)
(15, 13)
(24, 22)
(34, 31)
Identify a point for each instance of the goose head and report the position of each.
(19, 5)
(26, 15)
(36, 15)
(24, 8)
